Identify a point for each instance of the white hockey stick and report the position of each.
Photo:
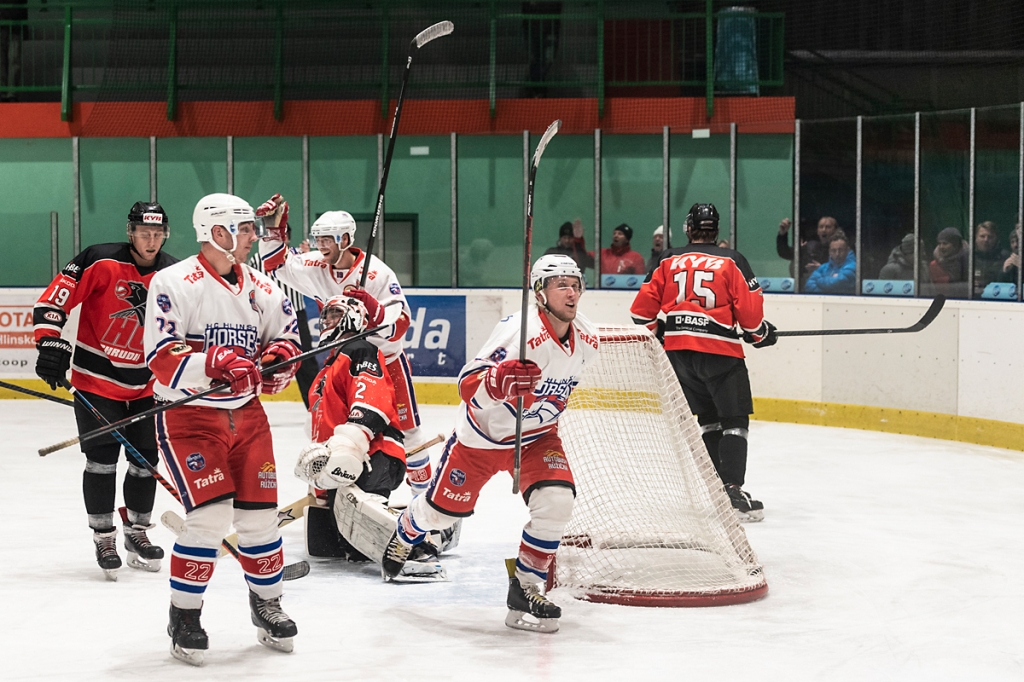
(541, 146)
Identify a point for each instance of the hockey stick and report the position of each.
(389, 319)
(528, 240)
(422, 38)
(36, 394)
(926, 319)
(143, 462)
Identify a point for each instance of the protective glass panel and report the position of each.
(887, 207)
(631, 194)
(828, 199)
(996, 226)
(945, 193)
(114, 175)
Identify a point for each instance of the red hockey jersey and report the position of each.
(354, 387)
(705, 292)
(112, 291)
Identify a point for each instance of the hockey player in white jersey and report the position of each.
(335, 268)
(213, 318)
(560, 344)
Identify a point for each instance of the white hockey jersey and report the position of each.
(489, 424)
(191, 308)
(313, 276)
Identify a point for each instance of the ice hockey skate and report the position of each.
(528, 609)
(106, 553)
(188, 638)
(142, 554)
(395, 556)
(274, 629)
(747, 508)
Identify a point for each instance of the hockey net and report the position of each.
(652, 524)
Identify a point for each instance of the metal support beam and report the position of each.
(597, 208)
(795, 228)
(970, 207)
(231, 163)
(858, 238)
(665, 170)
(54, 243)
(733, 242)
(76, 173)
(172, 64)
(454, 157)
(917, 204)
(305, 187)
(709, 57)
(65, 81)
(152, 168)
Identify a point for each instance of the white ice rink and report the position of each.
(887, 558)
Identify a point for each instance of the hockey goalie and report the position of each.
(356, 458)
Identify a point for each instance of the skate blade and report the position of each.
(422, 572)
(110, 574)
(190, 656)
(752, 516)
(283, 644)
(148, 565)
(524, 621)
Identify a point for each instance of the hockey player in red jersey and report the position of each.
(705, 293)
(560, 344)
(109, 282)
(336, 268)
(214, 319)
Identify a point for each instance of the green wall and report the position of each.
(343, 175)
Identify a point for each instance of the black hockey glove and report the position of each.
(763, 337)
(659, 333)
(54, 360)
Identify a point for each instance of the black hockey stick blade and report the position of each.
(441, 28)
(300, 569)
(929, 316)
(36, 394)
(545, 138)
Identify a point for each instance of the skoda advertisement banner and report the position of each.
(436, 340)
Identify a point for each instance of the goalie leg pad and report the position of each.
(322, 537)
(364, 520)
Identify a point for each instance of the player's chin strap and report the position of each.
(228, 254)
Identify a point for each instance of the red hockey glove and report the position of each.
(274, 212)
(241, 374)
(764, 336)
(279, 351)
(374, 310)
(511, 379)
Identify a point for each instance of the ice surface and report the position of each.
(887, 557)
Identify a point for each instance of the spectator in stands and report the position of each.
(901, 261)
(572, 244)
(989, 256)
(1012, 264)
(474, 268)
(813, 252)
(620, 259)
(839, 274)
(950, 264)
(11, 35)
(657, 246)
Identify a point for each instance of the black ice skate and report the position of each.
(274, 629)
(747, 508)
(106, 553)
(395, 556)
(142, 553)
(528, 609)
(188, 638)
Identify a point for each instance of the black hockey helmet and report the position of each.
(703, 220)
(147, 214)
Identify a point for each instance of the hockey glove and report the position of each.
(240, 373)
(374, 310)
(337, 463)
(764, 336)
(279, 351)
(511, 379)
(274, 212)
(54, 360)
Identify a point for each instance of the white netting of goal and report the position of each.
(652, 525)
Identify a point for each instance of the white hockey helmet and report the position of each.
(342, 315)
(334, 224)
(554, 265)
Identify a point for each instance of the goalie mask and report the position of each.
(341, 315)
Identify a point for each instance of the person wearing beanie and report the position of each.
(620, 258)
(657, 246)
(571, 244)
(900, 265)
(951, 258)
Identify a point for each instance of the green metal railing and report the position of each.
(588, 49)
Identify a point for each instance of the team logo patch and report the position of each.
(457, 477)
(498, 355)
(179, 349)
(163, 301)
(356, 413)
(556, 460)
(394, 288)
(268, 466)
(252, 301)
(52, 316)
(286, 306)
(195, 462)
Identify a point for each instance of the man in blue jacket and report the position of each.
(839, 274)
